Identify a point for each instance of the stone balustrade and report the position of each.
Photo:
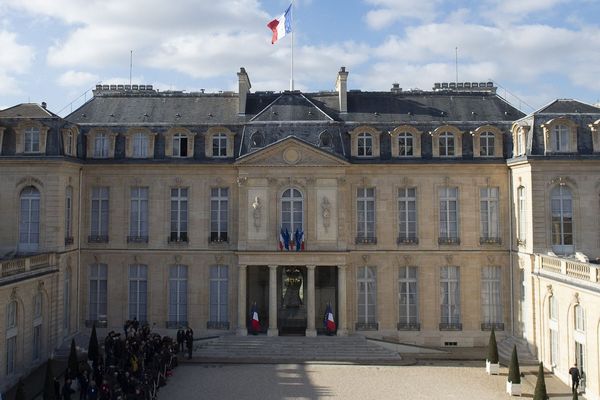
(21, 265)
(569, 267)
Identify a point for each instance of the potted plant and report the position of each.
(540, 386)
(492, 364)
(513, 384)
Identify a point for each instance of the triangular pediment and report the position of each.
(291, 152)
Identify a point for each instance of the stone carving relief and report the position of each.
(219, 259)
(576, 298)
(257, 212)
(549, 290)
(365, 258)
(29, 181)
(177, 259)
(449, 258)
(241, 180)
(14, 294)
(490, 259)
(326, 212)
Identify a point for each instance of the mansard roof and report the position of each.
(291, 106)
(27, 110)
(568, 106)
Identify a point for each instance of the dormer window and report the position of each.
(365, 145)
(325, 140)
(257, 140)
(406, 141)
(405, 144)
(180, 145)
(69, 136)
(446, 144)
(32, 140)
(560, 138)
(487, 141)
(140, 145)
(486, 144)
(219, 144)
(101, 145)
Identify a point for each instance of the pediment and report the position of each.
(291, 152)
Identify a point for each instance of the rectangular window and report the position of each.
(448, 215)
(11, 354)
(138, 215)
(140, 145)
(180, 144)
(405, 145)
(491, 297)
(99, 220)
(219, 200)
(580, 357)
(179, 215)
(67, 302)
(69, 144)
(365, 215)
(554, 347)
(522, 215)
(219, 295)
(446, 144)
(450, 298)
(32, 140)
(101, 145)
(407, 213)
(553, 311)
(138, 292)
(219, 143)
(178, 276)
(37, 342)
(408, 294)
(98, 292)
(69, 215)
(367, 298)
(486, 144)
(520, 143)
(489, 221)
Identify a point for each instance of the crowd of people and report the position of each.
(133, 366)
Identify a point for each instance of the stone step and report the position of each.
(525, 356)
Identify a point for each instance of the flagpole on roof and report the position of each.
(292, 62)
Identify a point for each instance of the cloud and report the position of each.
(387, 12)
(76, 79)
(16, 59)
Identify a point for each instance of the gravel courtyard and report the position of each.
(321, 381)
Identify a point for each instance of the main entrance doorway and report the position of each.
(291, 300)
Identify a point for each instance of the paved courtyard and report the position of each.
(461, 380)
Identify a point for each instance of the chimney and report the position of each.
(44, 105)
(396, 88)
(244, 88)
(341, 85)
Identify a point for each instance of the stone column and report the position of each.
(310, 301)
(342, 322)
(242, 330)
(273, 330)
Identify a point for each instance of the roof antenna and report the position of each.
(130, 65)
(456, 64)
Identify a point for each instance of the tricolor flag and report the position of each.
(281, 25)
(254, 321)
(299, 239)
(328, 321)
(284, 239)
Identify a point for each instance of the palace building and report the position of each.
(429, 217)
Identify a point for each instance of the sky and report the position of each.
(534, 50)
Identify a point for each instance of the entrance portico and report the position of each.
(299, 285)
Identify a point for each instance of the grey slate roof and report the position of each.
(27, 110)
(567, 106)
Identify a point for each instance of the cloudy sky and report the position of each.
(535, 50)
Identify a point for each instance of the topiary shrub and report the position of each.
(514, 373)
(540, 386)
(492, 353)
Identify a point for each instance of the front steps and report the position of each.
(525, 356)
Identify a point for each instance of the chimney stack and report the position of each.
(44, 105)
(243, 89)
(341, 85)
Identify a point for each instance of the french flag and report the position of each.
(328, 320)
(254, 323)
(282, 25)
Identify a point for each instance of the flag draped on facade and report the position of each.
(299, 239)
(291, 241)
(328, 321)
(281, 25)
(254, 321)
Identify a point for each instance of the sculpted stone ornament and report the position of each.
(292, 288)
(326, 212)
(257, 212)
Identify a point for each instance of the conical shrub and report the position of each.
(492, 353)
(49, 393)
(93, 347)
(540, 386)
(73, 363)
(514, 373)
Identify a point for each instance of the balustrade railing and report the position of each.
(569, 267)
(20, 265)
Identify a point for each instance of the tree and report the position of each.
(93, 347)
(514, 374)
(49, 393)
(492, 354)
(73, 364)
(540, 386)
(20, 395)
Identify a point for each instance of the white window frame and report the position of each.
(69, 139)
(364, 145)
(407, 215)
(138, 213)
(219, 294)
(179, 145)
(447, 144)
(101, 146)
(219, 145)
(138, 292)
(29, 219)
(100, 212)
(406, 144)
(178, 297)
(366, 290)
(579, 313)
(487, 144)
(520, 142)
(560, 138)
(489, 213)
(366, 215)
(408, 297)
(98, 304)
(179, 215)
(450, 304)
(32, 140)
(554, 347)
(522, 209)
(219, 214)
(491, 295)
(141, 142)
(449, 215)
(69, 212)
(561, 208)
(292, 210)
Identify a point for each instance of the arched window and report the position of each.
(325, 140)
(579, 319)
(365, 145)
(292, 210)
(405, 144)
(12, 330)
(560, 138)
(446, 144)
(257, 140)
(29, 222)
(69, 215)
(486, 144)
(579, 336)
(553, 308)
(219, 143)
(562, 220)
(553, 330)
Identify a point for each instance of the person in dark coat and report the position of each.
(84, 382)
(189, 341)
(92, 393)
(180, 340)
(575, 376)
(66, 390)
